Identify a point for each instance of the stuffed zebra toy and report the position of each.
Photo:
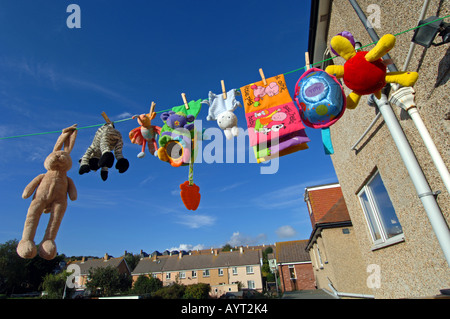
(99, 153)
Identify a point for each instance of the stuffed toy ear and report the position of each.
(165, 115)
(190, 118)
(343, 47)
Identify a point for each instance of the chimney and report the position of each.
(180, 255)
(125, 253)
(83, 259)
(105, 258)
(241, 249)
(215, 252)
(154, 257)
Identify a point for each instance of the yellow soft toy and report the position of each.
(364, 72)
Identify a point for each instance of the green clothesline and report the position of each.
(293, 71)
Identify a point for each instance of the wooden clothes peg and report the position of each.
(223, 90)
(262, 76)
(183, 96)
(106, 118)
(307, 63)
(152, 108)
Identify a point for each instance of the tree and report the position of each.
(54, 285)
(107, 281)
(146, 285)
(174, 291)
(197, 291)
(13, 272)
(227, 247)
(19, 275)
(132, 260)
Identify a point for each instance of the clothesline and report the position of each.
(290, 72)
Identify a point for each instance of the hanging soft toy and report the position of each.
(100, 153)
(177, 134)
(50, 196)
(221, 108)
(146, 133)
(364, 72)
(175, 138)
(321, 101)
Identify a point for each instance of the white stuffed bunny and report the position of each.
(221, 109)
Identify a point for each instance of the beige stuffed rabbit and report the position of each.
(50, 197)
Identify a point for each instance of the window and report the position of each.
(182, 275)
(235, 271)
(319, 257)
(168, 276)
(249, 269)
(220, 272)
(292, 271)
(194, 274)
(206, 273)
(380, 214)
(153, 275)
(251, 284)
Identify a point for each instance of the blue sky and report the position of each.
(126, 55)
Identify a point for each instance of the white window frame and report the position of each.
(292, 272)
(194, 274)
(251, 284)
(167, 275)
(206, 273)
(384, 240)
(182, 275)
(319, 257)
(235, 271)
(220, 271)
(249, 270)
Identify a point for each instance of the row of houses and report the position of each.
(231, 271)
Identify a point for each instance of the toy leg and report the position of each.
(152, 146)
(142, 153)
(47, 248)
(353, 100)
(27, 248)
(384, 45)
(402, 78)
(336, 70)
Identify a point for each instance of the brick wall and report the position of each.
(304, 277)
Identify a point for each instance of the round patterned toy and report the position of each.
(321, 101)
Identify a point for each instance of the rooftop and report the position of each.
(292, 251)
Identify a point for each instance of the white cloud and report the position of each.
(238, 239)
(188, 247)
(196, 221)
(124, 115)
(286, 231)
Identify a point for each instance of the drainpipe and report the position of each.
(423, 190)
(404, 98)
(347, 294)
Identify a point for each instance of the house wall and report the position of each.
(342, 263)
(214, 279)
(304, 277)
(415, 267)
(219, 290)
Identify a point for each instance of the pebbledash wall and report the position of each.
(415, 267)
